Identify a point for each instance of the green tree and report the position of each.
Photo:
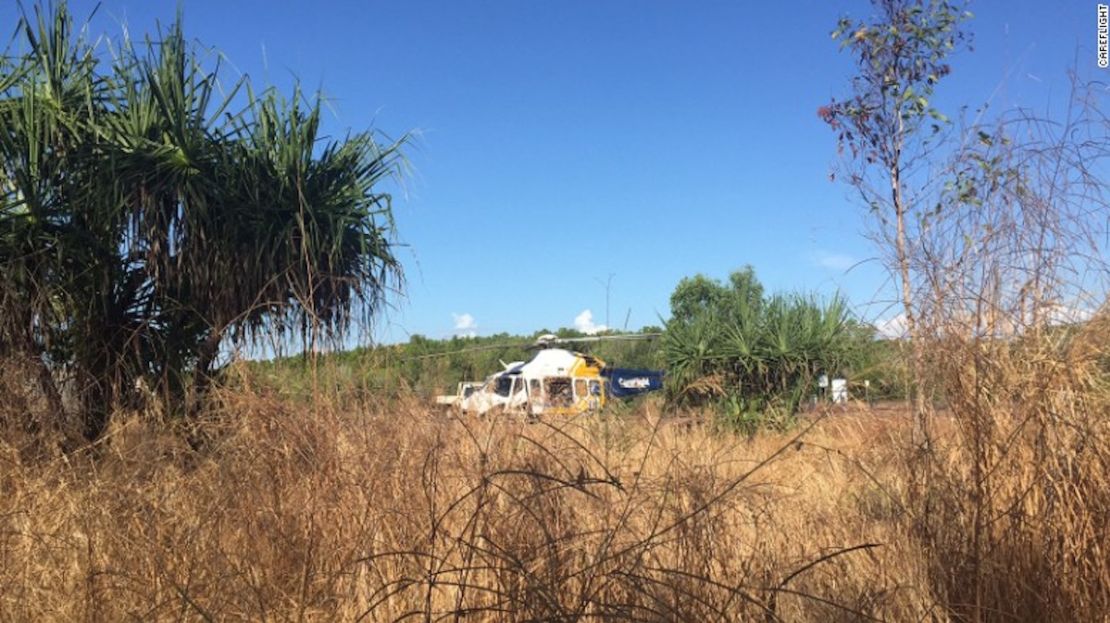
(694, 296)
(888, 124)
(148, 217)
(699, 295)
(757, 353)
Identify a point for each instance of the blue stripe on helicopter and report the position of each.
(626, 382)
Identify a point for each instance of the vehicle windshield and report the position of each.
(503, 385)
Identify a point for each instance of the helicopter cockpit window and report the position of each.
(595, 388)
(518, 386)
(580, 388)
(503, 385)
(534, 388)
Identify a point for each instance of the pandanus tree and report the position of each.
(151, 215)
(730, 340)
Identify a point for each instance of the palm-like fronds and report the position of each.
(147, 216)
(758, 350)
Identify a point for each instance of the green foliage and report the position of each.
(149, 214)
(698, 295)
(891, 129)
(901, 56)
(757, 356)
(429, 367)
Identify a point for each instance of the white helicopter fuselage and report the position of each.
(555, 381)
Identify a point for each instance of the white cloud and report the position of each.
(584, 322)
(1063, 314)
(835, 261)
(465, 325)
(892, 328)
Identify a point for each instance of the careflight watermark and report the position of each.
(1103, 36)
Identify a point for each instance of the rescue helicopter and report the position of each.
(556, 381)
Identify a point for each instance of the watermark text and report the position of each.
(1103, 36)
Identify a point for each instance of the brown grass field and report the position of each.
(381, 512)
(387, 515)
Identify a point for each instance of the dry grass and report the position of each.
(1013, 507)
(329, 509)
(399, 513)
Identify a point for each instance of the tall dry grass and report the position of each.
(1012, 508)
(347, 507)
(394, 512)
(1013, 503)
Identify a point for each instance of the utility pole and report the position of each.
(608, 282)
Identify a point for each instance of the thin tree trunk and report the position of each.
(44, 379)
(48, 388)
(920, 416)
(97, 400)
(202, 373)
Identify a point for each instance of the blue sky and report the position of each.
(564, 142)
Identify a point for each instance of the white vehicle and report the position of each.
(464, 390)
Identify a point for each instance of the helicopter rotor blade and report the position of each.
(471, 349)
(606, 338)
(545, 341)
